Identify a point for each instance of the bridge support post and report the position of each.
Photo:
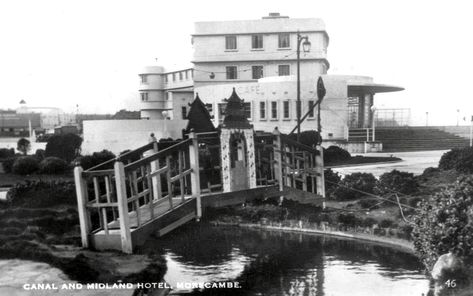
(278, 173)
(195, 174)
(155, 180)
(125, 232)
(319, 166)
(81, 193)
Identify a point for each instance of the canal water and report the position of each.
(276, 263)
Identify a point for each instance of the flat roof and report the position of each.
(372, 88)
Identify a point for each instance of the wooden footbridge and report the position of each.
(153, 190)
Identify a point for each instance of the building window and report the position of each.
(187, 75)
(247, 109)
(210, 108)
(231, 72)
(184, 112)
(230, 42)
(257, 72)
(262, 110)
(284, 40)
(165, 78)
(173, 76)
(144, 78)
(285, 108)
(144, 96)
(180, 76)
(257, 41)
(274, 110)
(311, 109)
(284, 70)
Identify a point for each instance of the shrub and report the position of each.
(397, 181)
(369, 203)
(23, 145)
(40, 154)
(88, 161)
(6, 153)
(414, 201)
(332, 178)
(348, 219)
(430, 171)
(368, 222)
(460, 159)
(385, 223)
(64, 146)
(354, 186)
(444, 223)
(7, 164)
(53, 165)
(25, 165)
(335, 154)
(310, 138)
(40, 194)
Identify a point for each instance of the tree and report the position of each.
(444, 223)
(23, 145)
(64, 146)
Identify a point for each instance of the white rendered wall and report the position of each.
(120, 135)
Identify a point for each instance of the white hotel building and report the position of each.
(258, 58)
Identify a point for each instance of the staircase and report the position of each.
(417, 139)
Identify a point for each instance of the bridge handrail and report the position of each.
(155, 156)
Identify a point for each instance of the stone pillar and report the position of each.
(278, 160)
(225, 159)
(250, 152)
(320, 180)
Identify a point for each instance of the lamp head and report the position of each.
(306, 45)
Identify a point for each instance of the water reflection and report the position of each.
(275, 263)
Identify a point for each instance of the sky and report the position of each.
(89, 53)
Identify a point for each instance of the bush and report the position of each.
(309, 138)
(39, 194)
(355, 186)
(88, 161)
(23, 145)
(53, 165)
(444, 223)
(64, 146)
(430, 171)
(332, 178)
(369, 203)
(6, 153)
(25, 165)
(368, 222)
(335, 154)
(397, 181)
(347, 219)
(40, 154)
(7, 164)
(460, 159)
(385, 223)
(414, 201)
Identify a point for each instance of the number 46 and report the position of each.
(451, 283)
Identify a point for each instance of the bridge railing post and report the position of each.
(82, 199)
(319, 166)
(124, 218)
(195, 174)
(155, 180)
(278, 173)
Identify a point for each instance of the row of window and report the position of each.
(257, 41)
(182, 75)
(266, 110)
(257, 72)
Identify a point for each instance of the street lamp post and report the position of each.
(304, 40)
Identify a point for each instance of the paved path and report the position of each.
(414, 162)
